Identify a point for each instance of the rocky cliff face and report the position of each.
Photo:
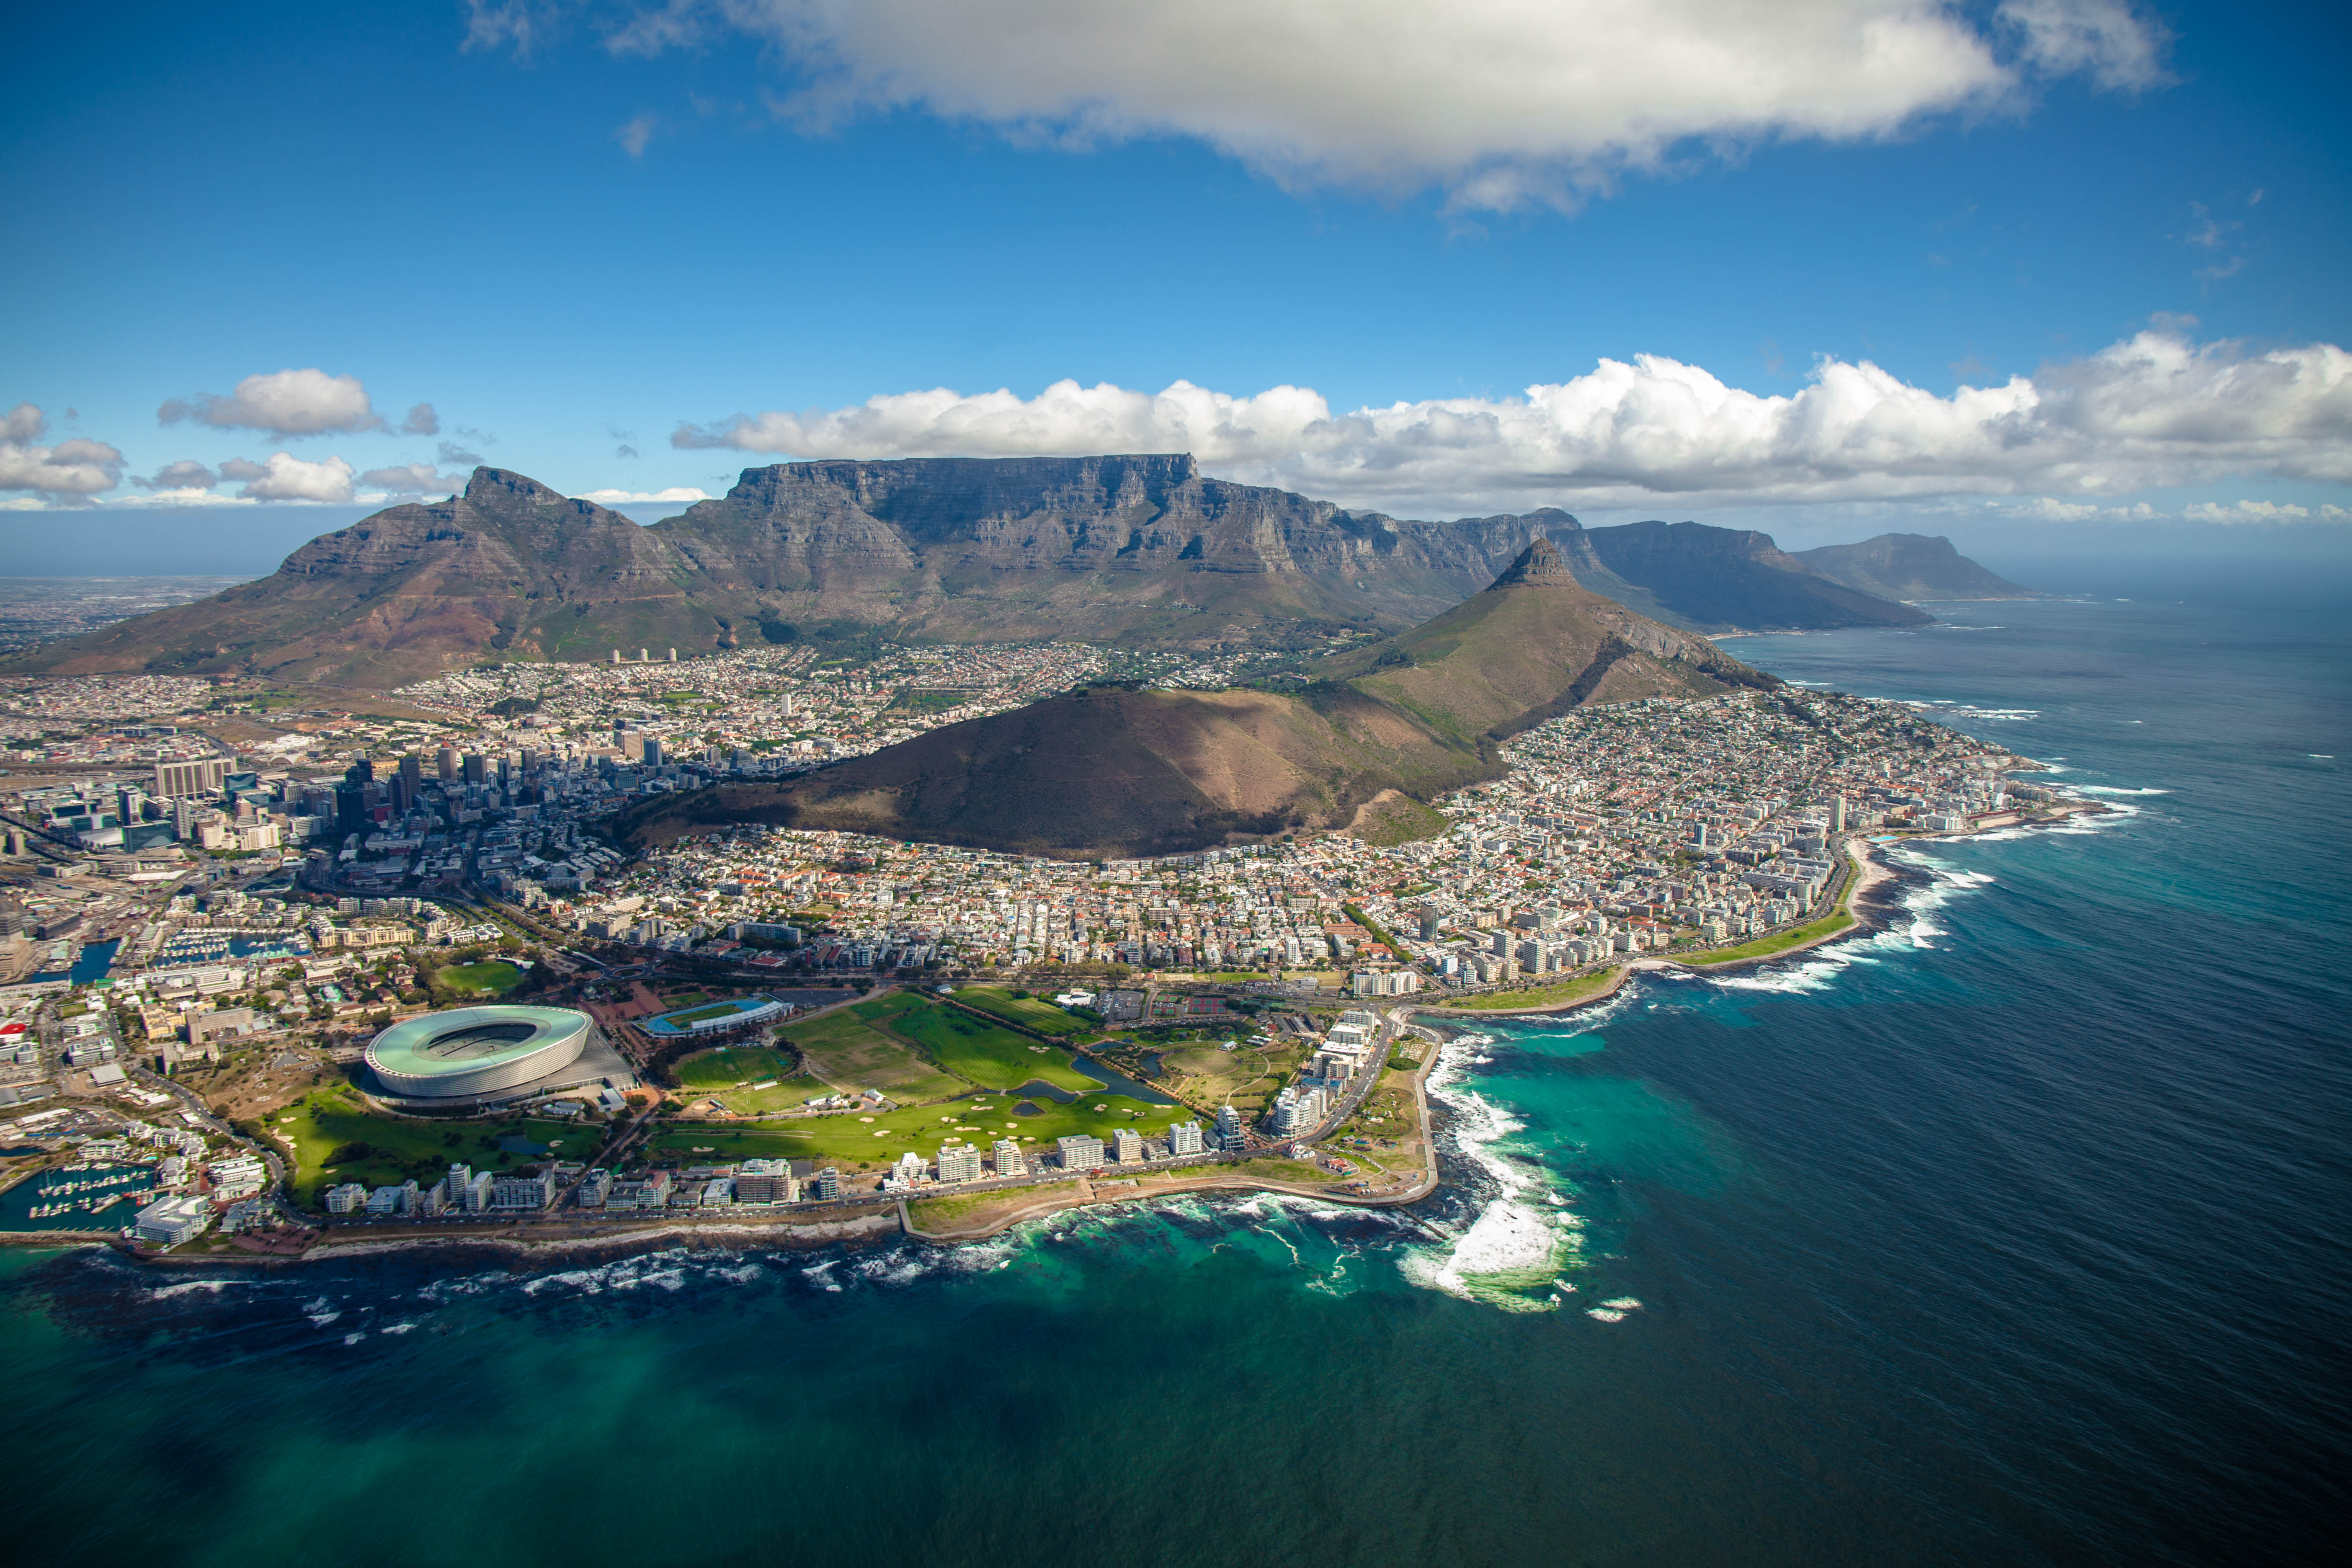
(1140, 549)
(1109, 546)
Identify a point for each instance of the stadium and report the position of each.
(472, 1053)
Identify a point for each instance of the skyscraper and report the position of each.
(447, 761)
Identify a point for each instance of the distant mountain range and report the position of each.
(1112, 771)
(1910, 567)
(1130, 550)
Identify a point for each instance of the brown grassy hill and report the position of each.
(1104, 773)
(1111, 773)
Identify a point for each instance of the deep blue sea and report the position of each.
(2012, 1233)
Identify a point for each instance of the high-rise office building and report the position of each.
(360, 771)
(653, 750)
(477, 769)
(447, 762)
(351, 814)
(202, 776)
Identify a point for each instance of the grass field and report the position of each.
(328, 1120)
(1765, 947)
(490, 978)
(937, 1215)
(986, 1055)
(845, 1048)
(730, 1064)
(1246, 1077)
(1028, 1012)
(1574, 990)
(725, 1071)
(851, 1141)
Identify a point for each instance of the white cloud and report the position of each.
(286, 403)
(187, 474)
(74, 469)
(2262, 511)
(2043, 509)
(2154, 410)
(634, 135)
(1502, 102)
(2102, 39)
(187, 495)
(414, 479)
(284, 477)
(676, 495)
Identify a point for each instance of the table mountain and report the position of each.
(1134, 549)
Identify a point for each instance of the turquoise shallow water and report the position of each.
(2014, 1232)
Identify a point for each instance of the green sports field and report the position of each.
(728, 1072)
(1029, 1012)
(490, 978)
(986, 1055)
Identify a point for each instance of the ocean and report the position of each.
(2012, 1232)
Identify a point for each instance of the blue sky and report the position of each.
(577, 232)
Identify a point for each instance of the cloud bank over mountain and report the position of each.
(2154, 410)
(1502, 102)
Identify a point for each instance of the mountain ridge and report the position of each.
(1911, 566)
(1137, 548)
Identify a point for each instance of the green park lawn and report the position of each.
(851, 1140)
(1029, 1012)
(1766, 946)
(1574, 990)
(327, 1120)
(728, 1072)
(939, 1214)
(487, 978)
(730, 1064)
(915, 1050)
(986, 1055)
(849, 1048)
